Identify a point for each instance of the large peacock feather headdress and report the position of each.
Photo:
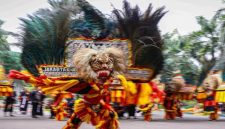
(46, 31)
(44, 35)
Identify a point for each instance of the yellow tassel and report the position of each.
(100, 124)
(145, 92)
(220, 96)
(201, 95)
(146, 108)
(95, 87)
(131, 87)
(123, 80)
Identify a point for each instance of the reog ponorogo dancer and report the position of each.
(96, 67)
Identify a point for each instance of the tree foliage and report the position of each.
(177, 59)
(9, 59)
(204, 47)
(3, 42)
(220, 64)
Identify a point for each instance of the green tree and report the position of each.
(204, 45)
(220, 64)
(177, 59)
(3, 42)
(9, 59)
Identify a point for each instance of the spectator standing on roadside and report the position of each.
(9, 101)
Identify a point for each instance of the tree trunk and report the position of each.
(207, 66)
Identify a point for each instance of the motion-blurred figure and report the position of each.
(41, 98)
(24, 98)
(9, 101)
(35, 98)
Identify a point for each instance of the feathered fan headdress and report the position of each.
(45, 33)
(142, 30)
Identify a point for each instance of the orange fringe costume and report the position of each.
(59, 106)
(91, 109)
(6, 90)
(60, 112)
(5, 84)
(207, 94)
(144, 100)
(171, 105)
(207, 97)
(172, 100)
(143, 95)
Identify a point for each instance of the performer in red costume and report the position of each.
(171, 104)
(96, 70)
(210, 84)
(172, 100)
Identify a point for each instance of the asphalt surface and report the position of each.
(188, 122)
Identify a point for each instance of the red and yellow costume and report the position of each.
(60, 112)
(5, 84)
(6, 90)
(143, 95)
(172, 99)
(94, 65)
(171, 105)
(207, 97)
(59, 106)
(91, 109)
(207, 94)
(117, 95)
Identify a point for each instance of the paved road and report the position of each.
(188, 122)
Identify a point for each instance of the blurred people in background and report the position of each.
(41, 98)
(9, 101)
(51, 106)
(24, 99)
(35, 98)
(120, 110)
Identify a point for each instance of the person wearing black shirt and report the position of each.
(9, 101)
(34, 97)
(24, 98)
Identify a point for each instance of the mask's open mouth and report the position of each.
(103, 73)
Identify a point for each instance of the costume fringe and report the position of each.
(111, 123)
(6, 91)
(60, 111)
(47, 85)
(220, 95)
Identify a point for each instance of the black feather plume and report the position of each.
(142, 30)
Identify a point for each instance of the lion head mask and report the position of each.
(101, 64)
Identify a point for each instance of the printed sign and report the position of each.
(62, 71)
(57, 71)
(138, 74)
(76, 44)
